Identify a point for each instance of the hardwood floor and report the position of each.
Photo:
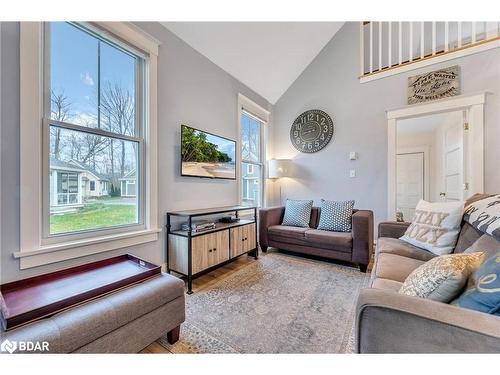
(203, 282)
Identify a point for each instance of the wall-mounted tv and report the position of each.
(207, 155)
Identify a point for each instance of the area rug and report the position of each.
(278, 304)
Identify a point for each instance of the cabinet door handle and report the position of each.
(209, 250)
(215, 249)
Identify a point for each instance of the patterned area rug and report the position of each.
(278, 304)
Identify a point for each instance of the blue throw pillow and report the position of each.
(483, 291)
(336, 216)
(297, 213)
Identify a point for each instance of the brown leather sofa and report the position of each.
(355, 247)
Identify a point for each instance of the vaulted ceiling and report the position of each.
(266, 56)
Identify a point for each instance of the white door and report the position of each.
(410, 182)
(453, 159)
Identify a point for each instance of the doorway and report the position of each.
(435, 152)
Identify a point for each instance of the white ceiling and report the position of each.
(265, 56)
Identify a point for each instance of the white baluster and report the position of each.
(389, 49)
(400, 41)
(446, 37)
(473, 33)
(411, 42)
(459, 32)
(422, 39)
(371, 46)
(361, 49)
(380, 46)
(433, 38)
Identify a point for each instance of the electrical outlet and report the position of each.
(352, 173)
(353, 155)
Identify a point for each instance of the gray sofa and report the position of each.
(388, 322)
(122, 322)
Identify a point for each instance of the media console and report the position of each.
(192, 253)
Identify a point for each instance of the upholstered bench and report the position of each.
(125, 321)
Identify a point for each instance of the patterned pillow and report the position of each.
(435, 226)
(441, 278)
(484, 215)
(297, 213)
(336, 216)
(483, 289)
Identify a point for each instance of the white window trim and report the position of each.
(264, 116)
(32, 251)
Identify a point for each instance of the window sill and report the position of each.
(75, 249)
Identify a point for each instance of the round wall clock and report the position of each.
(311, 131)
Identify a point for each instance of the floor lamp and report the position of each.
(279, 168)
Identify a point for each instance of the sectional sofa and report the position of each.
(389, 322)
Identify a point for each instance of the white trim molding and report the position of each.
(473, 106)
(262, 115)
(34, 249)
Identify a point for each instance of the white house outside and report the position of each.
(128, 186)
(72, 183)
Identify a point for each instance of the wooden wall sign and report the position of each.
(434, 85)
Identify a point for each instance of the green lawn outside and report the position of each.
(93, 216)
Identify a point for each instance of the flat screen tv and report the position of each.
(207, 155)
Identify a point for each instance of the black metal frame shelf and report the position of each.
(189, 234)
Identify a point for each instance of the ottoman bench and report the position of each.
(125, 321)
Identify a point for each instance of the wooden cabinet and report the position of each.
(190, 253)
(242, 239)
(210, 250)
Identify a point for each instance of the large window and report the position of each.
(89, 108)
(94, 121)
(252, 163)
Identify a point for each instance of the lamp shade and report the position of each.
(279, 168)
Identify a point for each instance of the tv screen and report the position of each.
(207, 155)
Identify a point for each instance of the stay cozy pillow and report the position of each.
(297, 213)
(441, 278)
(435, 226)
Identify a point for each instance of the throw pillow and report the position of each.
(484, 215)
(336, 216)
(441, 278)
(297, 213)
(435, 226)
(483, 290)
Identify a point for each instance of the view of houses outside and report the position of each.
(92, 182)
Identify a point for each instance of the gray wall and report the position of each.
(191, 90)
(331, 83)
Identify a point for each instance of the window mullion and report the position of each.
(94, 131)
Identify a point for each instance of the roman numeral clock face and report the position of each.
(311, 131)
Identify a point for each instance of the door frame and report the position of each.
(473, 107)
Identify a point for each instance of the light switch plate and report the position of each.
(352, 173)
(353, 155)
